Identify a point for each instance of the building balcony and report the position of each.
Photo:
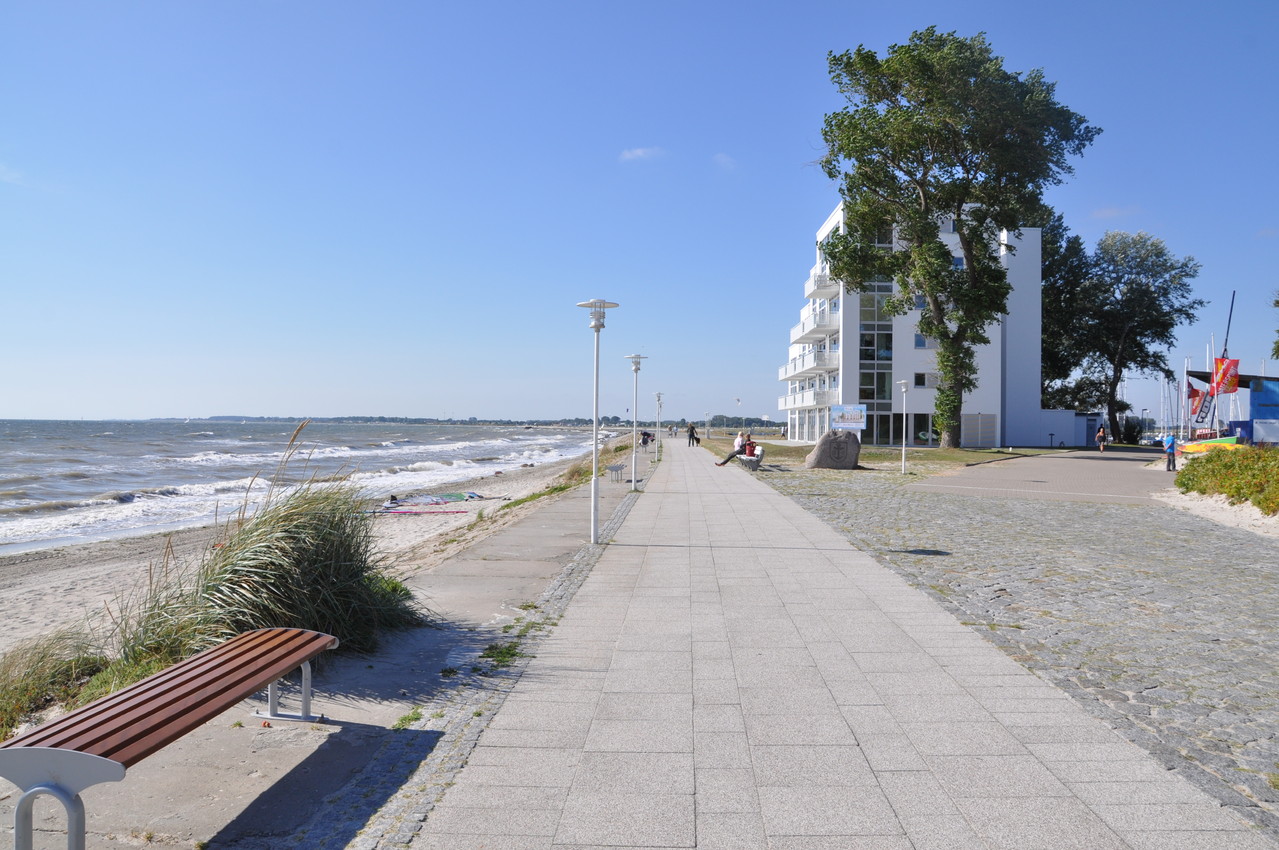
(814, 327)
(808, 398)
(819, 285)
(809, 363)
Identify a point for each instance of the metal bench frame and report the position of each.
(98, 742)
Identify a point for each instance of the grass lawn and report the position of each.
(922, 460)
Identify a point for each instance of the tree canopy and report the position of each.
(1274, 352)
(1126, 313)
(939, 131)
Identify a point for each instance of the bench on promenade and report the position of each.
(98, 742)
(752, 463)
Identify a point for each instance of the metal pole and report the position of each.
(635, 429)
(657, 421)
(905, 424)
(595, 448)
(635, 367)
(597, 306)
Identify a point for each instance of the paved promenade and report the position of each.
(733, 674)
(1158, 621)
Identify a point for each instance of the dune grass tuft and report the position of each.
(306, 559)
(44, 671)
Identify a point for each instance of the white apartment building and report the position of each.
(845, 350)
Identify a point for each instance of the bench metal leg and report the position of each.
(62, 774)
(273, 700)
(23, 825)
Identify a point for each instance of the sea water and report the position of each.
(79, 481)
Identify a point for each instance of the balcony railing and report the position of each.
(819, 285)
(808, 398)
(813, 327)
(808, 363)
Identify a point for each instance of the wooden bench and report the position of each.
(96, 743)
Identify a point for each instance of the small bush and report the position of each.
(1249, 474)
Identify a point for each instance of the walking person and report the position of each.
(692, 435)
(1101, 438)
(1170, 451)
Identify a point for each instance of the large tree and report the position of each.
(1136, 295)
(1274, 352)
(938, 130)
(1065, 273)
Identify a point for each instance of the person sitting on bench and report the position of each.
(738, 444)
(743, 447)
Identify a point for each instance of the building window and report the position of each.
(957, 262)
(921, 302)
(922, 341)
(926, 380)
(872, 307)
(876, 346)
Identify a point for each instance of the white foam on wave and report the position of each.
(219, 483)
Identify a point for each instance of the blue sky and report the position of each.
(392, 208)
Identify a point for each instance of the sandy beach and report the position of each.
(42, 590)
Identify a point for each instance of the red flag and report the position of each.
(1204, 410)
(1225, 377)
(1196, 397)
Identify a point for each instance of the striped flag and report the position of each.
(1225, 376)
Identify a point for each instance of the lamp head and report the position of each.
(597, 306)
(635, 360)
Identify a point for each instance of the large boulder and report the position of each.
(835, 450)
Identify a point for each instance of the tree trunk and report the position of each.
(946, 414)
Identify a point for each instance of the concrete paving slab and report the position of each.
(754, 681)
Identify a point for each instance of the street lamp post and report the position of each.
(905, 423)
(597, 306)
(1143, 420)
(635, 367)
(657, 422)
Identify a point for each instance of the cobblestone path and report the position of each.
(1156, 620)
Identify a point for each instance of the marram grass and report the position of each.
(307, 559)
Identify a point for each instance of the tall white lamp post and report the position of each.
(635, 367)
(597, 306)
(905, 423)
(657, 423)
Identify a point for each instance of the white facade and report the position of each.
(846, 351)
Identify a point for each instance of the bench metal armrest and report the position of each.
(61, 774)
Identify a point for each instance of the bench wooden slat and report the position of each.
(133, 723)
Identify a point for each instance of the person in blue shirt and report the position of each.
(1170, 451)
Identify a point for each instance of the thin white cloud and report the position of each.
(9, 175)
(634, 154)
(724, 161)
